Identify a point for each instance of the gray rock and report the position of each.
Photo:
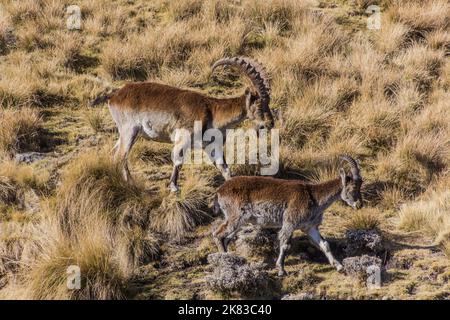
(233, 274)
(29, 157)
(300, 296)
(358, 264)
(363, 241)
(362, 266)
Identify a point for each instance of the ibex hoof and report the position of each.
(339, 267)
(281, 273)
(173, 187)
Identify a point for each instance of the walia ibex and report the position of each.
(156, 111)
(289, 204)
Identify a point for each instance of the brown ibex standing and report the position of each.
(156, 111)
(289, 204)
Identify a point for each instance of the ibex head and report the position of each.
(351, 183)
(257, 99)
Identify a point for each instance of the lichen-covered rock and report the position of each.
(29, 157)
(362, 266)
(300, 296)
(254, 241)
(232, 273)
(363, 241)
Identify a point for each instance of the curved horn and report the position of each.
(354, 168)
(256, 73)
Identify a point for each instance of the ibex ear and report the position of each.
(343, 175)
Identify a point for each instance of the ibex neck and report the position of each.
(326, 193)
(228, 112)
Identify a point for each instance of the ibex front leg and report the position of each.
(317, 240)
(218, 159)
(173, 184)
(284, 236)
(181, 144)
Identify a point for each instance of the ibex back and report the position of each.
(287, 204)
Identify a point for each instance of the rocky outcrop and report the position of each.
(29, 157)
(363, 242)
(232, 273)
(365, 268)
(300, 296)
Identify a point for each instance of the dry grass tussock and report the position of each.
(23, 175)
(365, 219)
(180, 214)
(100, 223)
(20, 186)
(45, 275)
(94, 178)
(7, 38)
(421, 16)
(19, 129)
(94, 212)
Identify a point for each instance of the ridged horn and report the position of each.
(255, 72)
(354, 168)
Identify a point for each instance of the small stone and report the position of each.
(299, 296)
(29, 157)
(362, 266)
(363, 242)
(233, 274)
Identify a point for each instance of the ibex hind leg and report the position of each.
(219, 237)
(127, 139)
(284, 237)
(181, 144)
(225, 233)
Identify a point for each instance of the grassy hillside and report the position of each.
(380, 95)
